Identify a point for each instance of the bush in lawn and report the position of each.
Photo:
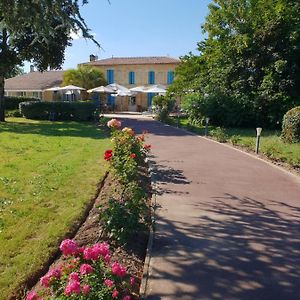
(291, 126)
(11, 103)
(77, 111)
(163, 107)
(86, 273)
(219, 134)
(124, 216)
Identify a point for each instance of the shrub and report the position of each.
(76, 111)
(219, 134)
(86, 273)
(163, 107)
(13, 113)
(11, 103)
(291, 126)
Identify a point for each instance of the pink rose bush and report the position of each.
(113, 123)
(92, 274)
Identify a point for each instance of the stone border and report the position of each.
(146, 269)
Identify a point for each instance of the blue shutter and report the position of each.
(170, 77)
(131, 79)
(151, 77)
(110, 76)
(149, 99)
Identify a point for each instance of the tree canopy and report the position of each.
(249, 65)
(38, 31)
(84, 76)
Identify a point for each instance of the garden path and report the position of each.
(227, 223)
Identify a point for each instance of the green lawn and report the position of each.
(48, 173)
(270, 144)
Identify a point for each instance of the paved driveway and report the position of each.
(228, 224)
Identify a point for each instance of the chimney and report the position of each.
(93, 57)
(31, 68)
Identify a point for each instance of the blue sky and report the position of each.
(139, 28)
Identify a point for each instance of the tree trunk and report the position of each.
(2, 113)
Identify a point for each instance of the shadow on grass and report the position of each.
(65, 129)
(236, 248)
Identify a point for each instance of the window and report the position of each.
(110, 76)
(151, 77)
(131, 79)
(170, 77)
(35, 95)
(21, 94)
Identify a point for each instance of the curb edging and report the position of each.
(146, 269)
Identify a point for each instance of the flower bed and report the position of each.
(97, 270)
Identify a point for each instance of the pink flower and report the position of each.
(52, 274)
(73, 286)
(132, 280)
(86, 269)
(32, 295)
(107, 258)
(114, 123)
(109, 283)
(115, 294)
(97, 250)
(118, 270)
(88, 253)
(74, 276)
(55, 272)
(86, 289)
(68, 247)
(126, 298)
(45, 280)
(101, 249)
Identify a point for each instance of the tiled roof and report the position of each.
(34, 81)
(134, 61)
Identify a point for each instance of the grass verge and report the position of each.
(48, 174)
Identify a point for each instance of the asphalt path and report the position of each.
(227, 224)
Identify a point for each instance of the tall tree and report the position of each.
(17, 70)
(38, 31)
(84, 76)
(251, 57)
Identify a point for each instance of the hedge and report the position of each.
(291, 126)
(76, 111)
(11, 103)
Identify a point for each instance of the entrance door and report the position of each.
(131, 104)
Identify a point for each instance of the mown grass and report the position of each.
(271, 144)
(48, 174)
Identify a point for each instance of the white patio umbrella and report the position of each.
(71, 88)
(117, 87)
(156, 89)
(138, 89)
(53, 89)
(102, 89)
